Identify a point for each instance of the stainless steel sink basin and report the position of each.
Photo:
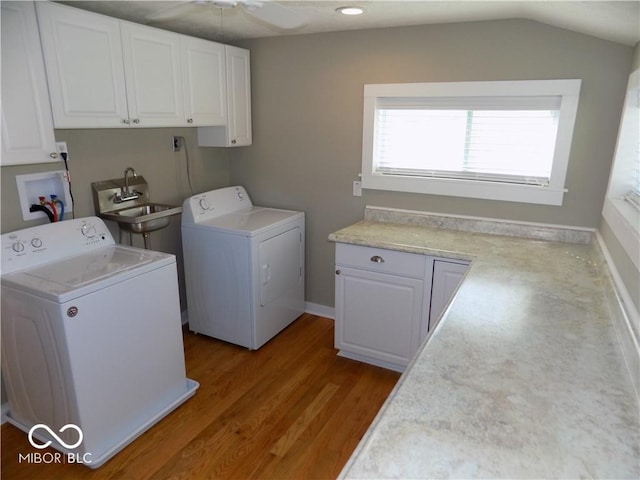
(143, 218)
(126, 202)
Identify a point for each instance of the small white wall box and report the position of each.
(35, 185)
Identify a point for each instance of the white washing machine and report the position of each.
(244, 267)
(91, 336)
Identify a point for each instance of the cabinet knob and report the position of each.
(377, 259)
(54, 155)
(189, 120)
(136, 120)
(233, 142)
(126, 121)
(338, 272)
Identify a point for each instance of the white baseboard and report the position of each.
(320, 310)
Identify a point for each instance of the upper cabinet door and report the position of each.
(239, 95)
(27, 127)
(204, 82)
(153, 78)
(83, 57)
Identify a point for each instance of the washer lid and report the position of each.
(75, 276)
(251, 221)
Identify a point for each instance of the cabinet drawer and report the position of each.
(381, 260)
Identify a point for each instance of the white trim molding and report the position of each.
(567, 90)
(320, 310)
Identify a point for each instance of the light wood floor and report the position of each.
(292, 409)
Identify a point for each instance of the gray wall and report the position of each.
(307, 118)
(104, 153)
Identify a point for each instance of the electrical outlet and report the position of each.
(61, 147)
(357, 188)
(176, 144)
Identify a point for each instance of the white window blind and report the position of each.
(633, 195)
(498, 139)
(630, 128)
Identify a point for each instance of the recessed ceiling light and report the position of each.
(350, 10)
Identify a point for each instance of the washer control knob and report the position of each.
(88, 230)
(18, 246)
(36, 242)
(204, 204)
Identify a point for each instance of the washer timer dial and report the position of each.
(88, 230)
(204, 204)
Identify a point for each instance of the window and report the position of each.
(622, 202)
(497, 140)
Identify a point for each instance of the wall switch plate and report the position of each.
(357, 188)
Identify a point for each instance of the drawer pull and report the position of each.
(377, 259)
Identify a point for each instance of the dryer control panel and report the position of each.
(47, 243)
(215, 204)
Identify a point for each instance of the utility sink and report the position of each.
(143, 218)
(126, 202)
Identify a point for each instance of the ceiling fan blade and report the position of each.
(174, 11)
(275, 14)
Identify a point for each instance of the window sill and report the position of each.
(465, 188)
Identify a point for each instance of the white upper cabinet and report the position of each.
(27, 127)
(107, 73)
(239, 95)
(204, 82)
(153, 76)
(85, 69)
(104, 72)
(237, 133)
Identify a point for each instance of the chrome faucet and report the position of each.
(125, 192)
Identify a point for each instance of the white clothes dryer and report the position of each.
(91, 336)
(244, 266)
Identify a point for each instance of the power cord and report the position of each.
(64, 156)
(187, 160)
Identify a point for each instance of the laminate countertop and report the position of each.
(526, 376)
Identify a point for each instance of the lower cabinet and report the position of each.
(384, 303)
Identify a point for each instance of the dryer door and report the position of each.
(280, 264)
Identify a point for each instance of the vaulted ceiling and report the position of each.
(227, 20)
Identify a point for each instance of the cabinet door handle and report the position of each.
(126, 121)
(233, 142)
(377, 259)
(189, 120)
(54, 155)
(338, 272)
(136, 120)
